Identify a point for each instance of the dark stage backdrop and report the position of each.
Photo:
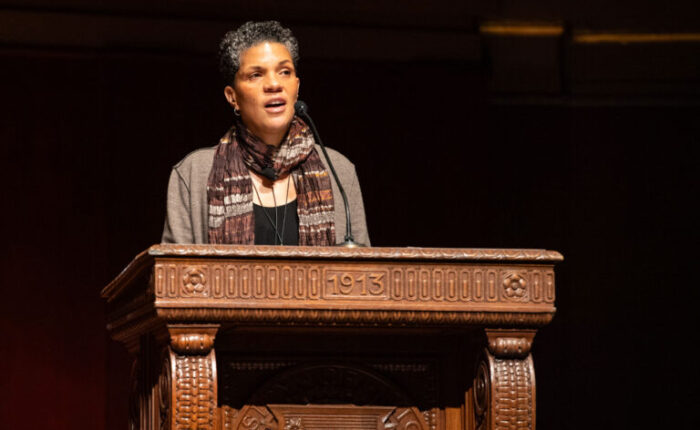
(88, 137)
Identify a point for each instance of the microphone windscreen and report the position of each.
(269, 173)
(300, 108)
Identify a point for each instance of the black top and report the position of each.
(287, 224)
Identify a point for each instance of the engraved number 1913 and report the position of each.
(346, 284)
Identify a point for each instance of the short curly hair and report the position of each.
(252, 33)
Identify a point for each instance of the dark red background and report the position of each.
(88, 136)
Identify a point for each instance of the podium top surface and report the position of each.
(340, 253)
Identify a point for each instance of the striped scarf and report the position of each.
(230, 189)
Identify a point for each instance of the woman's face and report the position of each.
(265, 90)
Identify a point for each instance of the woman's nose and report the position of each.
(272, 84)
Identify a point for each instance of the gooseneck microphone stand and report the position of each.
(301, 110)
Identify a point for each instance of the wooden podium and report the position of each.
(301, 338)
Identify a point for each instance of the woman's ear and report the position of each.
(230, 95)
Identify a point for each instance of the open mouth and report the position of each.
(275, 104)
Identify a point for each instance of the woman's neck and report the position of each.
(272, 139)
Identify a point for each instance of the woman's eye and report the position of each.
(254, 75)
(286, 72)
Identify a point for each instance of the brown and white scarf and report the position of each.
(230, 188)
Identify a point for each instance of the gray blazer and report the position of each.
(186, 214)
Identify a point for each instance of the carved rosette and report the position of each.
(194, 282)
(515, 286)
(504, 393)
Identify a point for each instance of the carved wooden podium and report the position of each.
(299, 338)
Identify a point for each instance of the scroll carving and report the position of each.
(194, 392)
(504, 393)
(481, 397)
(513, 399)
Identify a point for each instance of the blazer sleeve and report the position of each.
(357, 211)
(178, 222)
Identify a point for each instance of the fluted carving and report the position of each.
(398, 283)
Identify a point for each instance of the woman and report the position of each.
(266, 181)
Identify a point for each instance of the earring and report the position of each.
(236, 112)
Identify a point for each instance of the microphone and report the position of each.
(302, 110)
(269, 173)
